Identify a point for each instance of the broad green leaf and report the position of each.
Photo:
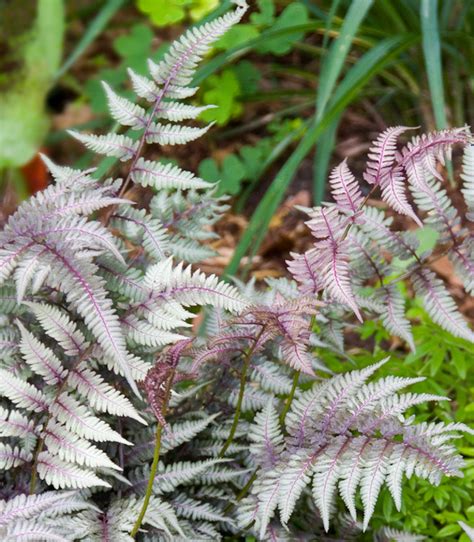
(470, 513)
(168, 12)
(428, 238)
(233, 172)
(237, 35)
(253, 160)
(436, 361)
(209, 170)
(200, 8)
(135, 47)
(432, 52)
(266, 15)
(387, 506)
(460, 363)
(164, 12)
(223, 91)
(449, 530)
(456, 502)
(293, 14)
(229, 176)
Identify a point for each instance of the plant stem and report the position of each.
(243, 380)
(238, 408)
(154, 468)
(154, 465)
(141, 142)
(247, 486)
(244, 490)
(34, 468)
(287, 406)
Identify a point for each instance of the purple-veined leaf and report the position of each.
(345, 189)
(393, 192)
(382, 154)
(439, 304)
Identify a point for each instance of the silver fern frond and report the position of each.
(342, 435)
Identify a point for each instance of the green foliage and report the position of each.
(248, 75)
(168, 12)
(230, 174)
(446, 362)
(239, 35)
(439, 350)
(222, 90)
(24, 121)
(385, 50)
(133, 49)
(294, 14)
(266, 14)
(246, 165)
(339, 97)
(94, 28)
(226, 90)
(384, 57)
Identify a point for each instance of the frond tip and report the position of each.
(345, 189)
(179, 63)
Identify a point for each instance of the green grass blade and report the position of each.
(335, 59)
(276, 152)
(410, 13)
(331, 69)
(432, 53)
(239, 50)
(390, 14)
(331, 14)
(372, 63)
(93, 30)
(322, 158)
(315, 10)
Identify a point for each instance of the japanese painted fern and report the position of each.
(85, 313)
(117, 422)
(357, 247)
